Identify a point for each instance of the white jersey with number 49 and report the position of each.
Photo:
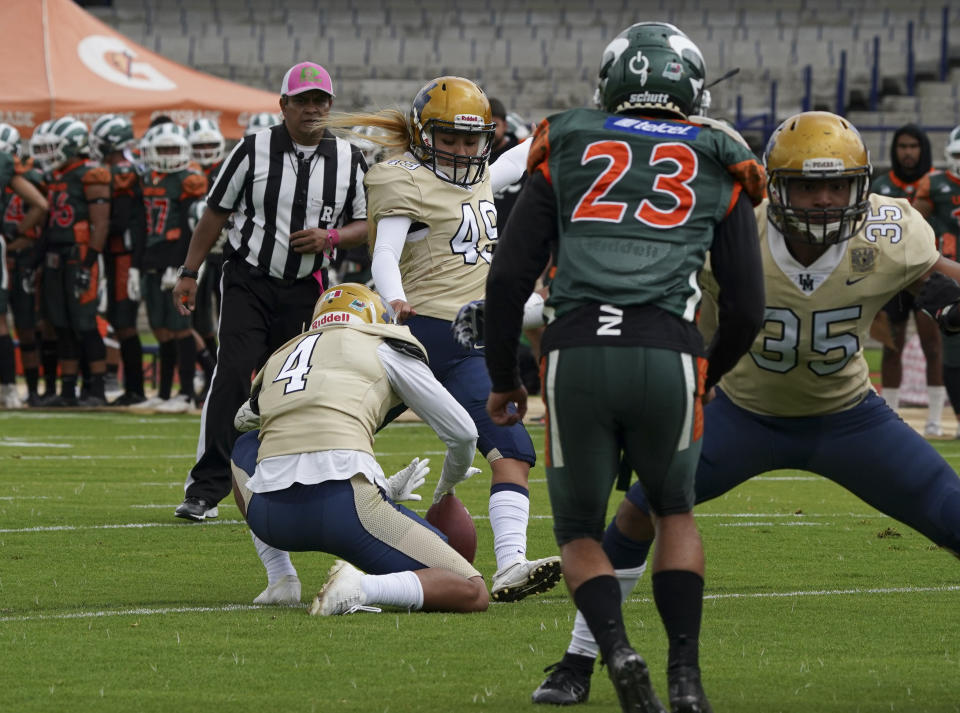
(447, 255)
(808, 357)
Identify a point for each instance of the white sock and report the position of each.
(891, 394)
(509, 514)
(277, 562)
(398, 589)
(582, 642)
(936, 396)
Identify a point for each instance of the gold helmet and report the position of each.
(350, 303)
(817, 145)
(451, 105)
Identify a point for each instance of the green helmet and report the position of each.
(652, 66)
(110, 132)
(9, 139)
(63, 140)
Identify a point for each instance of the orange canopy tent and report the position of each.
(56, 60)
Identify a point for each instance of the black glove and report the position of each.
(467, 326)
(81, 282)
(938, 298)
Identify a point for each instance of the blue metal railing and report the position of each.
(767, 121)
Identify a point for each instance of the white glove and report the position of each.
(533, 312)
(133, 284)
(400, 485)
(246, 419)
(169, 279)
(445, 486)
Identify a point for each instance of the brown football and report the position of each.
(453, 520)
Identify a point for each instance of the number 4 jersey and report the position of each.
(808, 357)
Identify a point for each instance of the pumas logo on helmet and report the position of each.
(823, 165)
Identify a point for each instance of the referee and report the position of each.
(295, 192)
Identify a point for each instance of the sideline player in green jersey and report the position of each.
(75, 235)
(628, 198)
(910, 166)
(16, 192)
(938, 199)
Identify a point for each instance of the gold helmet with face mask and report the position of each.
(350, 303)
(814, 146)
(451, 105)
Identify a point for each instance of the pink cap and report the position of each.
(304, 77)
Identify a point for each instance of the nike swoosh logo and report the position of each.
(853, 282)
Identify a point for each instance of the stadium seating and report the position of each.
(542, 55)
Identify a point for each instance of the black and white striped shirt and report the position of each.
(272, 192)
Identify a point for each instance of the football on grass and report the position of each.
(453, 520)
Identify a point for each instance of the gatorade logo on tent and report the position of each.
(111, 59)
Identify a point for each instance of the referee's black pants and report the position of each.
(258, 314)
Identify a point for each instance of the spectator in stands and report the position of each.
(622, 353)
(434, 227)
(910, 162)
(287, 216)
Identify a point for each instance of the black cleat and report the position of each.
(196, 509)
(686, 692)
(128, 398)
(565, 686)
(631, 680)
(92, 401)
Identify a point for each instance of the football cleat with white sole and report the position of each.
(285, 590)
(181, 403)
(197, 509)
(9, 398)
(148, 404)
(525, 577)
(342, 594)
(932, 430)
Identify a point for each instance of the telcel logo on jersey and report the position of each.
(652, 128)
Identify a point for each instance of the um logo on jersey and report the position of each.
(610, 319)
(805, 282)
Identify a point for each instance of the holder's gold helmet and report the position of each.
(350, 303)
(815, 146)
(451, 105)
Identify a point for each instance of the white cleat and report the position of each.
(285, 590)
(932, 430)
(149, 404)
(176, 404)
(525, 577)
(9, 398)
(342, 594)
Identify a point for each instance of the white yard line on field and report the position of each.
(146, 611)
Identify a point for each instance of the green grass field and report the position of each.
(815, 603)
